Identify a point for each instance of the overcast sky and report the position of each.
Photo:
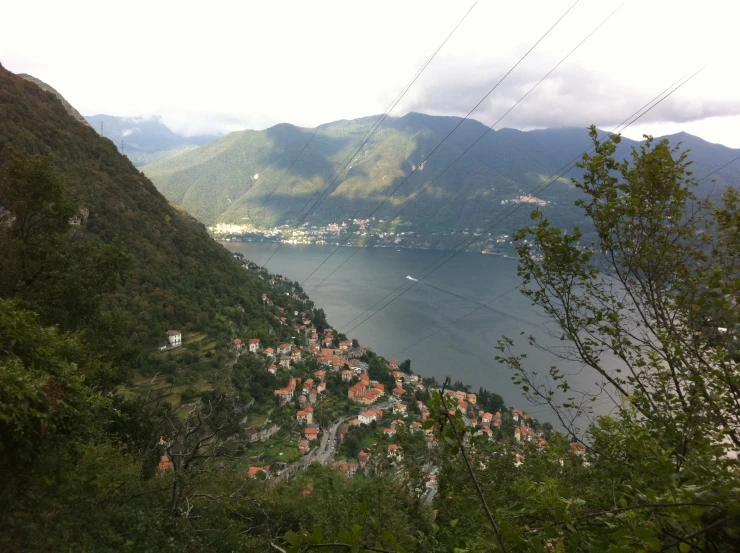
(210, 66)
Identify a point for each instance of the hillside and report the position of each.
(229, 180)
(145, 140)
(179, 278)
(43, 86)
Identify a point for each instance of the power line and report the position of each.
(516, 287)
(485, 133)
(571, 165)
(481, 306)
(452, 131)
(719, 169)
(564, 169)
(373, 127)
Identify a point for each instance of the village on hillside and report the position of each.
(335, 402)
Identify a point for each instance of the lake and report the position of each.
(465, 350)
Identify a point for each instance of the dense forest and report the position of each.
(96, 267)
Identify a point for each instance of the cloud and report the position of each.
(572, 96)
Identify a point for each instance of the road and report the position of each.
(326, 450)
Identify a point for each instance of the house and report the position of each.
(523, 434)
(344, 345)
(175, 338)
(285, 361)
(378, 386)
(347, 375)
(366, 417)
(254, 345)
(355, 422)
(269, 352)
(307, 385)
(577, 449)
(541, 442)
(272, 369)
(487, 432)
(393, 365)
(295, 355)
(516, 414)
(486, 419)
(303, 447)
(165, 463)
(305, 416)
(357, 390)
(416, 426)
(460, 396)
(254, 471)
(472, 399)
(369, 398)
(395, 452)
(362, 458)
(284, 395)
(320, 387)
(390, 432)
(311, 434)
(399, 408)
(348, 469)
(357, 366)
(496, 420)
(284, 349)
(237, 343)
(518, 460)
(320, 375)
(398, 393)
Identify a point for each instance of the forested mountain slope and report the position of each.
(178, 277)
(239, 179)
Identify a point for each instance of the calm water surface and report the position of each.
(464, 351)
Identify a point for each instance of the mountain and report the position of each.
(179, 277)
(43, 86)
(145, 140)
(229, 180)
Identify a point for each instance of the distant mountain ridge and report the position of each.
(234, 180)
(145, 139)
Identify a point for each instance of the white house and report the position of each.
(366, 417)
(254, 345)
(175, 338)
(284, 349)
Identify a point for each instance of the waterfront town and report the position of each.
(335, 402)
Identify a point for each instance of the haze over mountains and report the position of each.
(249, 177)
(145, 140)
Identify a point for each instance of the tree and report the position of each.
(651, 308)
(405, 366)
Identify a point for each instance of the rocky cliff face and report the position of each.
(67, 106)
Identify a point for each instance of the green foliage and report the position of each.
(233, 180)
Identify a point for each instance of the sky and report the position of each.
(221, 66)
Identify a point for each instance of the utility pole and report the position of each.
(122, 145)
(101, 129)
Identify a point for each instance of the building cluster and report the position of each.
(345, 358)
